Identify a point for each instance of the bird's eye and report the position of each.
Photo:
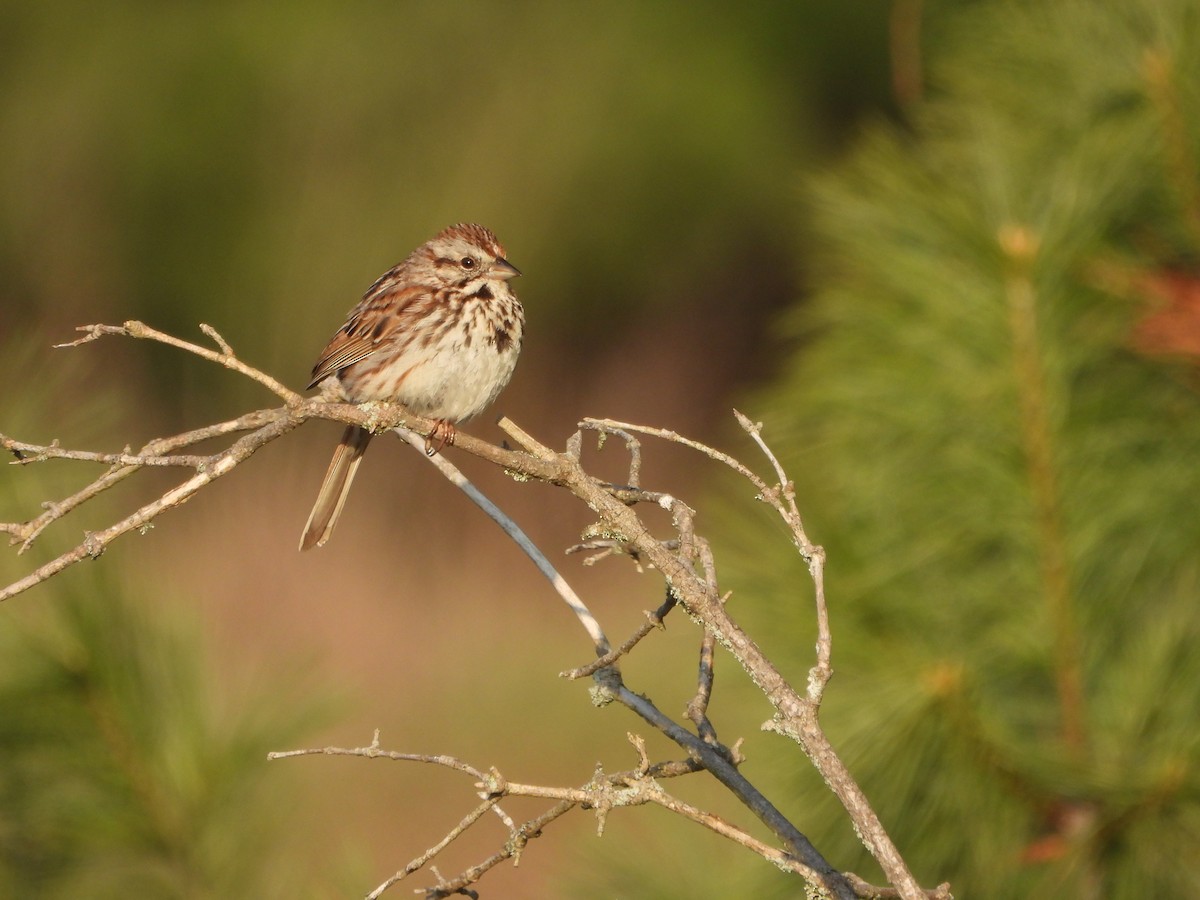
(467, 262)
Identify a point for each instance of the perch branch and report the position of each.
(689, 577)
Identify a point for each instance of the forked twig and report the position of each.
(27, 532)
(654, 620)
(224, 358)
(95, 542)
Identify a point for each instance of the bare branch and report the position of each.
(611, 547)
(870, 892)
(754, 429)
(34, 453)
(614, 427)
(224, 358)
(419, 862)
(28, 531)
(632, 444)
(684, 559)
(512, 850)
(95, 542)
(796, 716)
(719, 762)
(784, 501)
(217, 339)
(602, 794)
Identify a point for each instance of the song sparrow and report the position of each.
(438, 333)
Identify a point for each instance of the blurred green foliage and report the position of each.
(129, 765)
(255, 166)
(1006, 486)
(1006, 489)
(125, 773)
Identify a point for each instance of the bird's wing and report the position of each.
(384, 311)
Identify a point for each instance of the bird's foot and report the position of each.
(443, 433)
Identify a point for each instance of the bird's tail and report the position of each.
(335, 487)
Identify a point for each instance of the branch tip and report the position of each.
(217, 339)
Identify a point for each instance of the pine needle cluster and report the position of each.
(994, 416)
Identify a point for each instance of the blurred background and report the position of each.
(946, 251)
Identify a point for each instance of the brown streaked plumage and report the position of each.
(439, 333)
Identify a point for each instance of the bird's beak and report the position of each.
(505, 270)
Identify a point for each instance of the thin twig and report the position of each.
(419, 862)
(35, 453)
(784, 501)
(654, 620)
(224, 358)
(633, 445)
(95, 542)
(375, 751)
(613, 426)
(697, 709)
(27, 532)
(602, 793)
(512, 849)
(606, 547)
(455, 476)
